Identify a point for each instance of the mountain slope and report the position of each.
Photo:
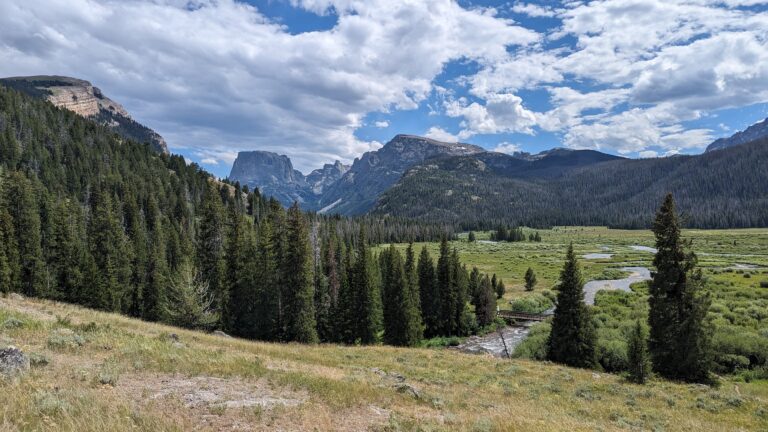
(83, 98)
(374, 172)
(133, 375)
(717, 189)
(752, 133)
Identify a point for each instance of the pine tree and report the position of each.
(238, 308)
(366, 295)
(8, 249)
(471, 236)
(679, 339)
(572, 339)
(299, 284)
(444, 305)
(485, 309)
(190, 302)
(637, 354)
(210, 245)
(500, 289)
(494, 282)
(414, 327)
(107, 241)
(428, 293)
(474, 286)
(530, 279)
(24, 211)
(266, 307)
(153, 296)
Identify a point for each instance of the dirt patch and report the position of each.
(210, 392)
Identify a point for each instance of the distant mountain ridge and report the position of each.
(275, 176)
(85, 99)
(723, 189)
(752, 133)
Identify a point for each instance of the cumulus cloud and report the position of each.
(381, 124)
(223, 76)
(507, 147)
(501, 112)
(439, 134)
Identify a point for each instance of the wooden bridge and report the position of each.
(509, 315)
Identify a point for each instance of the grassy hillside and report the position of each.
(96, 371)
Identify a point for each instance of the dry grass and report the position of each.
(130, 375)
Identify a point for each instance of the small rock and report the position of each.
(220, 334)
(13, 362)
(408, 389)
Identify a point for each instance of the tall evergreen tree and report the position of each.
(366, 295)
(485, 308)
(24, 211)
(428, 293)
(572, 339)
(299, 284)
(445, 305)
(210, 245)
(474, 286)
(530, 279)
(679, 336)
(414, 331)
(153, 297)
(266, 308)
(500, 289)
(637, 354)
(190, 302)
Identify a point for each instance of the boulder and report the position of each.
(13, 362)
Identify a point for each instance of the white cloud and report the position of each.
(381, 124)
(647, 154)
(223, 76)
(507, 147)
(533, 10)
(501, 113)
(210, 161)
(439, 134)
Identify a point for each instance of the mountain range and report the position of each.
(425, 179)
(421, 178)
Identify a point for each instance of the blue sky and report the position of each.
(321, 80)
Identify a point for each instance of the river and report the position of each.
(492, 343)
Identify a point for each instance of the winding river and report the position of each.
(513, 335)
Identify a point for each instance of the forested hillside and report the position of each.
(724, 189)
(90, 218)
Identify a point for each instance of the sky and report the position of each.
(325, 80)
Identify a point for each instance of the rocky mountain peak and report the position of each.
(752, 133)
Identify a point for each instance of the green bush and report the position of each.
(534, 304)
(612, 355)
(535, 345)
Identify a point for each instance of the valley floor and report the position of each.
(95, 371)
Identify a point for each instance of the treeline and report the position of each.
(90, 218)
(514, 234)
(720, 189)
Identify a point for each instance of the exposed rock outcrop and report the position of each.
(81, 97)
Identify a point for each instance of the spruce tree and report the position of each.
(530, 279)
(485, 308)
(471, 236)
(190, 303)
(266, 307)
(8, 249)
(24, 211)
(299, 283)
(153, 297)
(474, 285)
(414, 327)
(210, 245)
(679, 340)
(572, 339)
(500, 289)
(637, 354)
(445, 305)
(428, 293)
(366, 295)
